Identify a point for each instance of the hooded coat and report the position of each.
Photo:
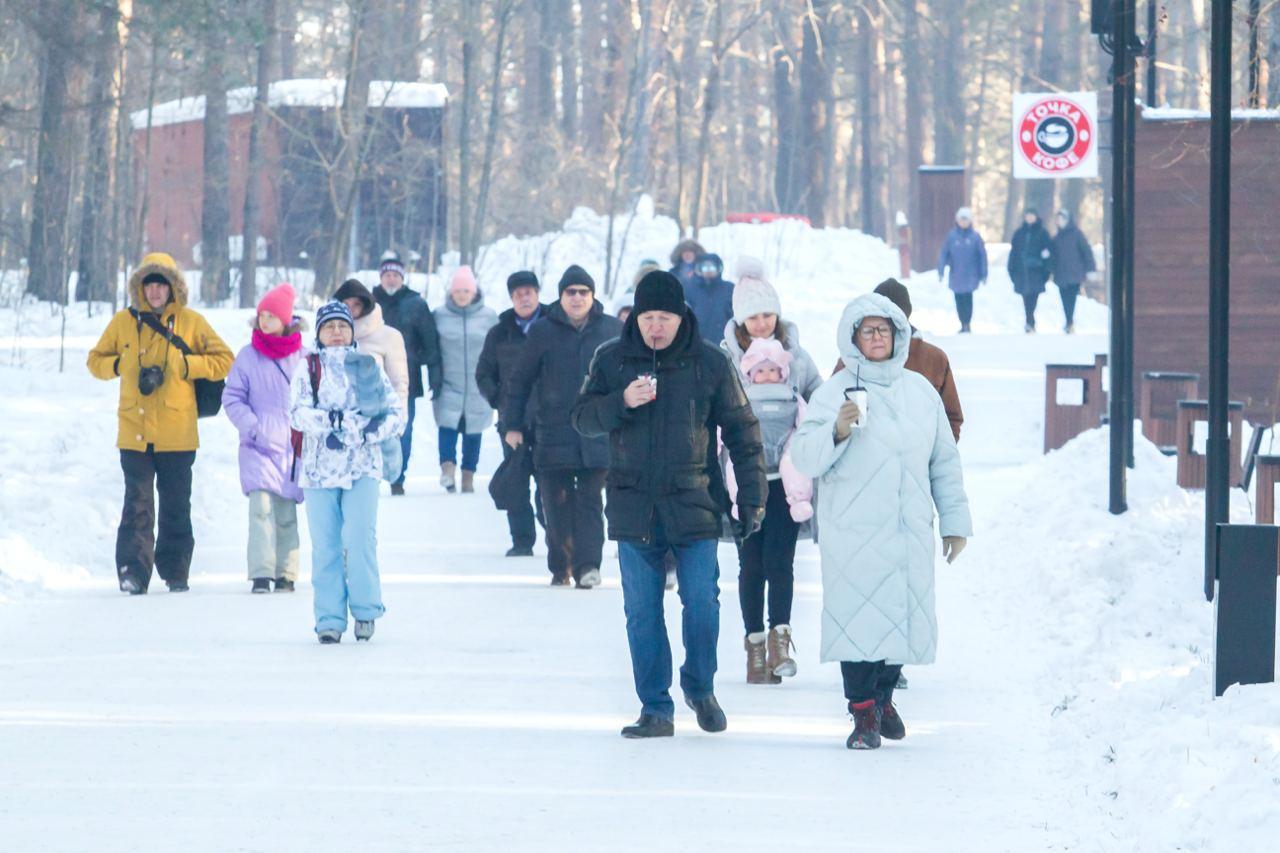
(966, 254)
(711, 301)
(681, 270)
(462, 332)
(551, 371)
(256, 401)
(1030, 257)
(662, 455)
(166, 418)
(386, 345)
(876, 499)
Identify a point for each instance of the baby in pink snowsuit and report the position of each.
(766, 369)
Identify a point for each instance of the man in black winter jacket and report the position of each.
(407, 312)
(570, 468)
(500, 359)
(660, 392)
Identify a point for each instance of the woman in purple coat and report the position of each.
(256, 400)
(965, 253)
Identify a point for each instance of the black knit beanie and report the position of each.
(896, 292)
(576, 275)
(522, 278)
(659, 291)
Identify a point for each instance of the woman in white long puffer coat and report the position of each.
(881, 474)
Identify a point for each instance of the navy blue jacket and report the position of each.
(966, 254)
(711, 301)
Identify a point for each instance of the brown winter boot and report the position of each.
(780, 661)
(468, 481)
(447, 470)
(757, 672)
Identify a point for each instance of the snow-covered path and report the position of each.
(484, 714)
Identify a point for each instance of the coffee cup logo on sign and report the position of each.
(1054, 136)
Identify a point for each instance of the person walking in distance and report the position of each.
(877, 437)
(659, 393)
(966, 255)
(345, 407)
(1029, 263)
(461, 410)
(500, 360)
(1072, 264)
(256, 400)
(158, 348)
(404, 310)
(570, 467)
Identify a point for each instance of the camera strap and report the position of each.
(153, 323)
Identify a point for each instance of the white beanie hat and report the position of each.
(753, 295)
(749, 267)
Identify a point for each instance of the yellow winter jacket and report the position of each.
(166, 418)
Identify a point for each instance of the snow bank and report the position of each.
(1111, 611)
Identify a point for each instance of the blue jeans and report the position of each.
(345, 522)
(470, 447)
(643, 586)
(406, 442)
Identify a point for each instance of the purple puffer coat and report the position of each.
(256, 400)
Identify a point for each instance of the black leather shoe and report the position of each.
(520, 551)
(649, 726)
(710, 716)
(177, 586)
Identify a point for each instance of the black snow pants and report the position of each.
(137, 546)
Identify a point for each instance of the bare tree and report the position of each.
(215, 210)
(265, 31)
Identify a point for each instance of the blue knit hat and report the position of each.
(333, 311)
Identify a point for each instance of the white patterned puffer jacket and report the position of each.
(876, 499)
(336, 414)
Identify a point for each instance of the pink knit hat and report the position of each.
(463, 281)
(765, 352)
(279, 301)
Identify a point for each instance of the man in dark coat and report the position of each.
(659, 393)
(1072, 264)
(710, 298)
(407, 312)
(1030, 256)
(500, 359)
(570, 468)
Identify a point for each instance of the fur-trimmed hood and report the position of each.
(686, 246)
(158, 262)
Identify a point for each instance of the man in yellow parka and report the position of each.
(157, 437)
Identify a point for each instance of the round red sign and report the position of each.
(1055, 134)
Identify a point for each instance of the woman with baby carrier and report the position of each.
(778, 377)
(346, 409)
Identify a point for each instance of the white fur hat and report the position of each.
(753, 295)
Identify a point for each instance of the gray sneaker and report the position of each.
(329, 636)
(364, 629)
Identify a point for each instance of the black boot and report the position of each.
(520, 551)
(261, 585)
(397, 489)
(649, 726)
(710, 716)
(177, 586)
(866, 725)
(284, 585)
(891, 725)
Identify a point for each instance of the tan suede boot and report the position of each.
(780, 661)
(447, 470)
(757, 672)
(468, 481)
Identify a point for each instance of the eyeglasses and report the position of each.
(869, 332)
(577, 291)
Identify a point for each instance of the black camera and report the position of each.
(149, 379)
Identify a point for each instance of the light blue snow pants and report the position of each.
(344, 553)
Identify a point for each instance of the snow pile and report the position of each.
(1110, 613)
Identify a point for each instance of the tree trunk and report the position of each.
(287, 28)
(144, 194)
(868, 121)
(409, 67)
(1041, 194)
(593, 30)
(565, 32)
(215, 211)
(1273, 57)
(253, 172)
(506, 7)
(95, 272)
(949, 77)
(46, 258)
(464, 148)
(914, 74)
(815, 105)
(787, 188)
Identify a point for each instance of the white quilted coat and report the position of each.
(876, 500)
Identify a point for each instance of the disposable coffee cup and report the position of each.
(653, 382)
(859, 396)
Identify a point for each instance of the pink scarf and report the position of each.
(276, 347)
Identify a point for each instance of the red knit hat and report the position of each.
(279, 301)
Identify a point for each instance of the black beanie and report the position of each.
(896, 292)
(353, 288)
(659, 291)
(576, 275)
(522, 278)
(157, 278)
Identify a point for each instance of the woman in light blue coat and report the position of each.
(877, 437)
(461, 410)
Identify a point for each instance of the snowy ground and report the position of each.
(1069, 708)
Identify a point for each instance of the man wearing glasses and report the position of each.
(570, 469)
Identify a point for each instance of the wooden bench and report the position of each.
(1193, 467)
(1158, 406)
(1073, 400)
